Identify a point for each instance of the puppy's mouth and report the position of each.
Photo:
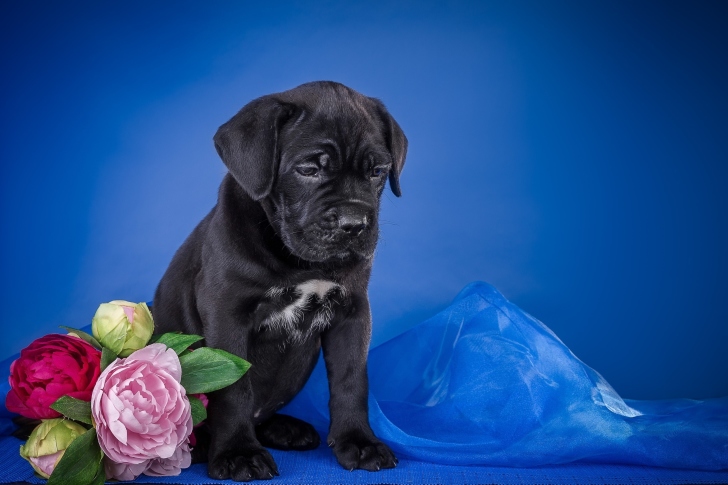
(318, 244)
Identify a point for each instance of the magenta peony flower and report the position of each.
(140, 409)
(48, 368)
(203, 398)
(205, 402)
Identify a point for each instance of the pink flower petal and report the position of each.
(129, 312)
(161, 357)
(47, 463)
(172, 466)
(124, 471)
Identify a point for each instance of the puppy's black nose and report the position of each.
(353, 224)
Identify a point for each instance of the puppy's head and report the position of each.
(317, 157)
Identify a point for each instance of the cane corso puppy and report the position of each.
(279, 269)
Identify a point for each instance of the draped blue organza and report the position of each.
(484, 383)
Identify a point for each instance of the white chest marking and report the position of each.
(312, 295)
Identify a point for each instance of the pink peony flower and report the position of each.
(48, 368)
(124, 472)
(160, 467)
(167, 467)
(140, 409)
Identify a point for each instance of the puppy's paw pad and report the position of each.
(283, 432)
(256, 464)
(363, 453)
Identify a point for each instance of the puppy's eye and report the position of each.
(308, 170)
(377, 172)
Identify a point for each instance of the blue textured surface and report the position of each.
(319, 467)
(483, 383)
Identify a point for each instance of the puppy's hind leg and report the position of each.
(283, 432)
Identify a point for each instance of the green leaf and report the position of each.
(88, 338)
(157, 336)
(207, 370)
(81, 463)
(107, 357)
(73, 408)
(100, 477)
(199, 413)
(178, 341)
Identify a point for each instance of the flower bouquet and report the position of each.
(118, 403)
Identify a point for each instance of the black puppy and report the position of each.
(279, 269)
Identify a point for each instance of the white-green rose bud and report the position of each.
(122, 326)
(48, 442)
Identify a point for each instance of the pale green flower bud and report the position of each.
(122, 326)
(47, 443)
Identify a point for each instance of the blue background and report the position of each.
(573, 154)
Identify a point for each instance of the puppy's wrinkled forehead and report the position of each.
(337, 119)
(332, 100)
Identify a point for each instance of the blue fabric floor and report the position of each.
(319, 467)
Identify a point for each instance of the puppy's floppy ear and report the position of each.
(396, 144)
(248, 144)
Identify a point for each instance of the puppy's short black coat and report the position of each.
(279, 269)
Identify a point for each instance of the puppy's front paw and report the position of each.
(242, 466)
(287, 433)
(356, 450)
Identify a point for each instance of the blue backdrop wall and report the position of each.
(573, 154)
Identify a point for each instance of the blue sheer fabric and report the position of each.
(484, 383)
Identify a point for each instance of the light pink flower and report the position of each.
(173, 465)
(140, 409)
(124, 472)
(161, 467)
